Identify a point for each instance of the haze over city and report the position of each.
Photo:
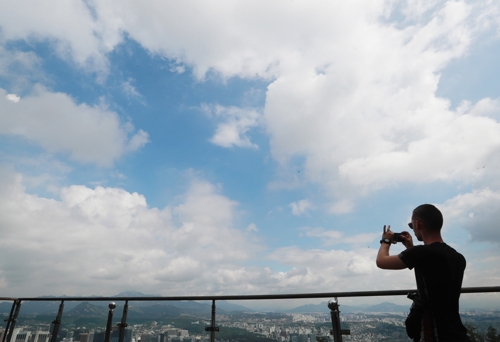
(243, 147)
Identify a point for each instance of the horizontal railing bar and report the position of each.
(253, 297)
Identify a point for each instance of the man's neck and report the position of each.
(431, 238)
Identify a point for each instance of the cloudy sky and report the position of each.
(242, 147)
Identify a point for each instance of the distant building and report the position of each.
(148, 338)
(99, 336)
(171, 332)
(41, 336)
(76, 334)
(84, 337)
(21, 336)
(114, 335)
(283, 333)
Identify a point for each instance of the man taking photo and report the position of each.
(439, 270)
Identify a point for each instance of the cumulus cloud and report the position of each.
(58, 124)
(202, 39)
(334, 270)
(235, 123)
(104, 240)
(478, 212)
(370, 118)
(301, 207)
(252, 227)
(342, 206)
(20, 68)
(335, 237)
(68, 25)
(12, 97)
(129, 89)
(353, 91)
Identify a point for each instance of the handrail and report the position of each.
(337, 332)
(483, 289)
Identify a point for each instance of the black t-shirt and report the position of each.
(439, 270)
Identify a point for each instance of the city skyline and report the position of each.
(262, 327)
(207, 148)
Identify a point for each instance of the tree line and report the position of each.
(476, 336)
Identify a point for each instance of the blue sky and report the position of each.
(249, 147)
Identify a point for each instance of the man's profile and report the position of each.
(439, 271)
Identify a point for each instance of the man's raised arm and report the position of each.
(384, 260)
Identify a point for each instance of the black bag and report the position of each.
(413, 321)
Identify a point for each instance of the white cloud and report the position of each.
(182, 269)
(104, 240)
(330, 236)
(370, 118)
(319, 270)
(202, 39)
(342, 206)
(68, 25)
(58, 124)
(92, 240)
(235, 124)
(129, 89)
(478, 212)
(335, 237)
(252, 227)
(137, 141)
(20, 68)
(12, 97)
(354, 93)
(301, 207)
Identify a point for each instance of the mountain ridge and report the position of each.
(180, 307)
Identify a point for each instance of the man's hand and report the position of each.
(407, 239)
(384, 260)
(388, 234)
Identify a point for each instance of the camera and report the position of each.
(397, 237)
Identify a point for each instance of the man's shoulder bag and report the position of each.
(413, 321)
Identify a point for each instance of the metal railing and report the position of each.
(333, 305)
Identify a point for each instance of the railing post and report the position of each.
(11, 321)
(337, 332)
(57, 322)
(123, 323)
(212, 332)
(112, 307)
(212, 328)
(8, 320)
